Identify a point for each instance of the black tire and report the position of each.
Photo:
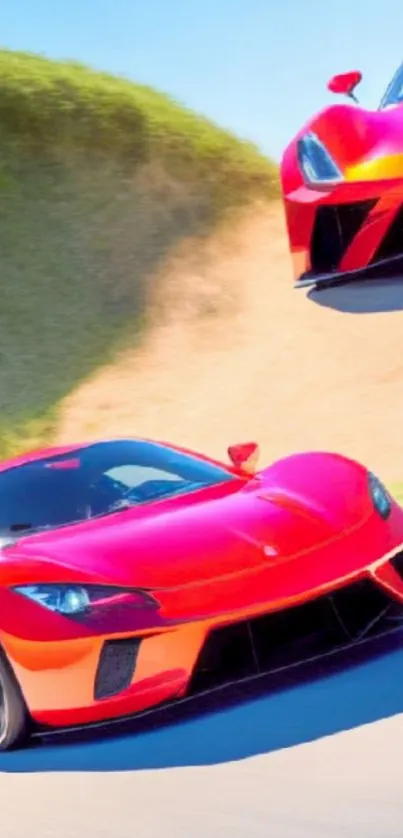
(14, 717)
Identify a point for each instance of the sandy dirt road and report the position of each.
(292, 370)
(320, 759)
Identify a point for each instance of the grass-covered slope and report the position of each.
(100, 179)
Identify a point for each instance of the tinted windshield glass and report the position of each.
(96, 481)
(394, 92)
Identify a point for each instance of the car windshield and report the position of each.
(394, 92)
(97, 480)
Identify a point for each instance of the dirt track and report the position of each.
(292, 370)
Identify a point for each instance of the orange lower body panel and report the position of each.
(58, 679)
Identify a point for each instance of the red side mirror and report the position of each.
(244, 456)
(345, 83)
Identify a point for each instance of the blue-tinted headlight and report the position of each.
(380, 496)
(316, 164)
(64, 599)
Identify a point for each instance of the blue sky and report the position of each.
(258, 67)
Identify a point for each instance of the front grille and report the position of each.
(116, 667)
(334, 229)
(392, 243)
(286, 638)
(397, 564)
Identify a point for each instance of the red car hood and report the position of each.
(352, 134)
(296, 504)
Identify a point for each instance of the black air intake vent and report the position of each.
(283, 639)
(334, 229)
(116, 667)
(397, 564)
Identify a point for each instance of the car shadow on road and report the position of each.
(346, 692)
(361, 297)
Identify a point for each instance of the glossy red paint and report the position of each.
(332, 232)
(252, 545)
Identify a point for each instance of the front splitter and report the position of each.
(384, 269)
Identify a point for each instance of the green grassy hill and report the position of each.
(100, 179)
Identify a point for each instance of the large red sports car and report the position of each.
(342, 181)
(135, 572)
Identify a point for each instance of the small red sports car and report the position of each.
(342, 182)
(135, 572)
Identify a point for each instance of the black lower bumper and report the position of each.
(274, 642)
